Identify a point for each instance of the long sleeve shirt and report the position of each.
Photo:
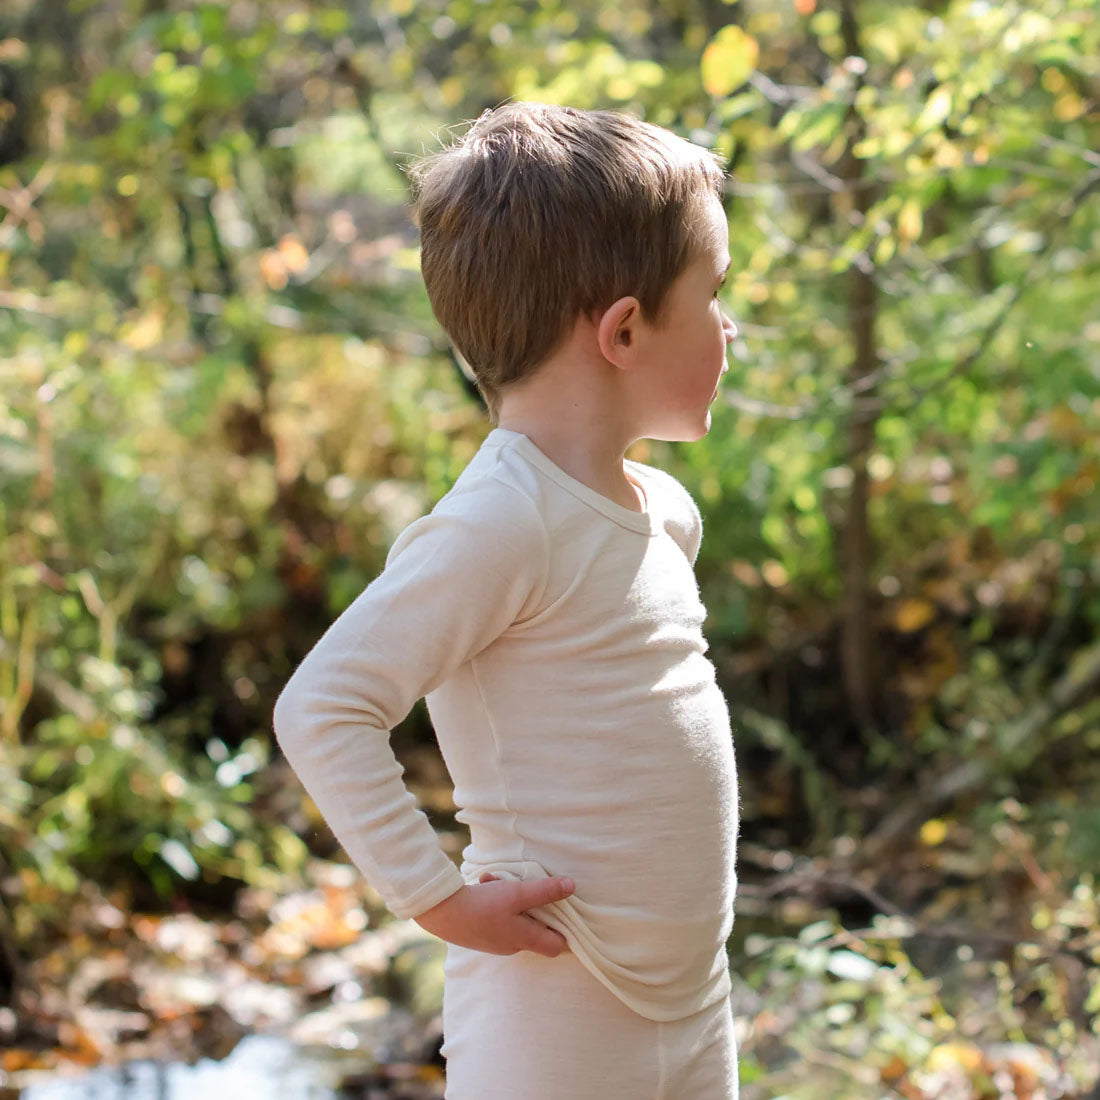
(557, 637)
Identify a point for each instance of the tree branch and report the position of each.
(1017, 748)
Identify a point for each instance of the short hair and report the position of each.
(539, 214)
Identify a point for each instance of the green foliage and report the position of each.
(222, 394)
(855, 1009)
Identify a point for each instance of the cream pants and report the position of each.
(525, 1027)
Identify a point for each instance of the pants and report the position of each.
(525, 1027)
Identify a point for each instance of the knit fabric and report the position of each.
(557, 637)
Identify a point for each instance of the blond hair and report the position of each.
(539, 214)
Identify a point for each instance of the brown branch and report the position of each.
(1017, 748)
(855, 550)
(807, 880)
(70, 699)
(1062, 216)
(20, 202)
(25, 302)
(840, 396)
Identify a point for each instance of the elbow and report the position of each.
(315, 708)
(288, 717)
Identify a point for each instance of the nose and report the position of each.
(729, 326)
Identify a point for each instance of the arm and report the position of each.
(454, 581)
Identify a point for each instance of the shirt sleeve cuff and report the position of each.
(437, 889)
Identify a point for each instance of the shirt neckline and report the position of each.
(642, 522)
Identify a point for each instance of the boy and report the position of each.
(548, 609)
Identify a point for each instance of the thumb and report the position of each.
(543, 891)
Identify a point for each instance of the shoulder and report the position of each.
(484, 519)
(493, 496)
(675, 505)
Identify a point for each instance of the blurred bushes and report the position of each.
(222, 392)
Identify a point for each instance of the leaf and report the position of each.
(728, 60)
(949, 1056)
(912, 614)
(910, 220)
(820, 128)
(936, 109)
(146, 332)
(811, 933)
(849, 965)
(293, 253)
(179, 859)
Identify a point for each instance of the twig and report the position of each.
(20, 202)
(1064, 213)
(1016, 750)
(69, 698)
(26, 302)
(801, 881)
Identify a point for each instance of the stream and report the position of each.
(259, 1067)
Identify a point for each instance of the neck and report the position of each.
(578, 431)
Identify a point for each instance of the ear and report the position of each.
(618, 332)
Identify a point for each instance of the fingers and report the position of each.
(543, 940)
(488, 876)
(543, 891)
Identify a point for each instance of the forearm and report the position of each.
(349, 770)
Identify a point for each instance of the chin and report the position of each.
(701, 428)
(685, 433)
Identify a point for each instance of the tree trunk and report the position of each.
(856, 552)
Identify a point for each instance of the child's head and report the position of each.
(540, 214)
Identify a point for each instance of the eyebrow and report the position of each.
(725, 270)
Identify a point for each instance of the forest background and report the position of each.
(222, 394)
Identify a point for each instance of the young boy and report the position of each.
(548, 610)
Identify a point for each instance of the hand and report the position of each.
(492, 916)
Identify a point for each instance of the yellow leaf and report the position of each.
(913, 613)
(293, 254)
(728, 60)
(1069, 106)
(910, 220)
(273, 269)
(75, 343)
(774, 573)
(948, 1056)
(936, 109)
(144, 333)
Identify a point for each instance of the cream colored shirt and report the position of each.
(558, 639)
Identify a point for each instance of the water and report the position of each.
(260, 1067)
